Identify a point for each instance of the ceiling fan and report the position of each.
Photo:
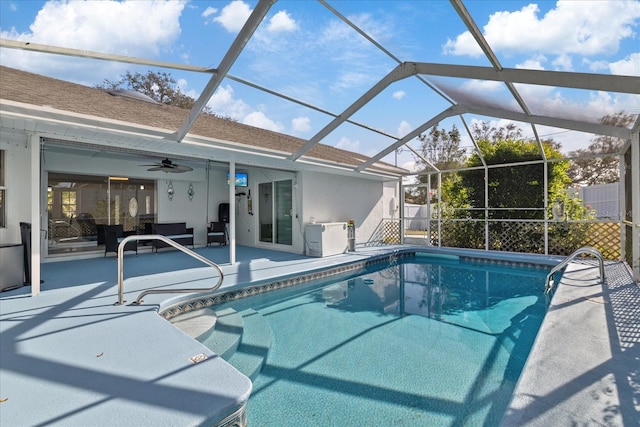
(168, 166)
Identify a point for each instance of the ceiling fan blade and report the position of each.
(168, 166)
(183, 168)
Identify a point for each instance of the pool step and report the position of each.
(224, 338)
(241, 338)
(254, 346)
(195, 323)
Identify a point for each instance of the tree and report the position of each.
(442, 149)
(511, 188)
(603, 169)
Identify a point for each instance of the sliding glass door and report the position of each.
(79, 205)
(274, 212)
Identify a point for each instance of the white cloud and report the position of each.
(282, 22)
(208, 12)
(399, 94)
(234, 15)
(347, 144)
(629, 66)
(563, 63)
(223, 102)
(481, 86)
(411, 165)
(404, 128)
(596, 66)
(128, 27)
(260, 120)
(133, 28)
(349, 79)
(301, 124)
(572, 27)
(532, 63)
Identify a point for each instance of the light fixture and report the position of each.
(170, 190)
(190, 191)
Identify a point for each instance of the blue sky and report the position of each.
(305, 51)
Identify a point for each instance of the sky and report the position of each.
(305, 51)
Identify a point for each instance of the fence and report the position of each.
(505, 235)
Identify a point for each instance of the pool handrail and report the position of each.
(583, 250)
(176, 245)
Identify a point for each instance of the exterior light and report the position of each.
(170, 190)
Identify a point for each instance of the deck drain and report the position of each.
(198, 358)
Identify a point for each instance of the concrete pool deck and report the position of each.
(71, 357)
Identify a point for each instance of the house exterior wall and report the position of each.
(17, 183)
(325, 197)
(335, 198)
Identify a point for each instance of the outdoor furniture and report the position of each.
(217, 233)
(176, 231)
(87, 226)
(113, 235)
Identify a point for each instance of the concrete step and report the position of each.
(243, 339)
(224, 338)
(253, 350)
(195, 323)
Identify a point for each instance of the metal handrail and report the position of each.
(567, 260)
(163, 291)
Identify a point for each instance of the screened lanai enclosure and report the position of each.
(497, 172)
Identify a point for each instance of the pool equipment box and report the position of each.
(324, 239)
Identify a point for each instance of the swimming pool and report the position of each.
(421, 341)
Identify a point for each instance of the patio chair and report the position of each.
(217, 233)
(113, 235)
(87, 226)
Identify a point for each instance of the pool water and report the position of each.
(429, 342)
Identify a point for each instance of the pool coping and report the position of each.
(584, 367)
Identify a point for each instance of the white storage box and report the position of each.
(324, 239)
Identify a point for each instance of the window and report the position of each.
(49, 199)
(3, 194)
(68, 203)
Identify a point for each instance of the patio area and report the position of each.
(71, 357)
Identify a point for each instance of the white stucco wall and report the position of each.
(334, 198)
(17, 183)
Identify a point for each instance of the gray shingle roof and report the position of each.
(38, 90)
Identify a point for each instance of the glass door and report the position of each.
(78, 206)
(274, 212)
(131, 203)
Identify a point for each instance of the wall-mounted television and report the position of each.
(242, 179)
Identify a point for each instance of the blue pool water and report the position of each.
(424, 342)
